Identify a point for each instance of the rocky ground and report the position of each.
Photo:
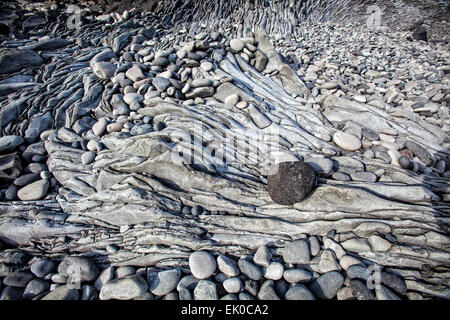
(118, 179)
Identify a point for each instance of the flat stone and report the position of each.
(19, 279)
(34, 191)
(12, 60)
(299, 292)
(202, 264)
(296, 252)
(205, 290)
(10, 143)
(384, 293)
(125, 288)
(345, 293)
(379, 244)
(364, 176)
(163, 282)
(124, 271)
(356, 245)
(228, 266)
(348, 261)
(63, 292)
(34, 288)
(357, 272)
(420, 152)
(290, 182)
(346, 141)
(250, 270)
(327, 285)
(394, 282)
(360, 290)
(233, 285)
(297, 276)
(322, 166)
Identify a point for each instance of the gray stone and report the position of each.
(357, 272)
(105, 276)
(125, 288)
(63, 292)
(237, 45)
(394, 282)
(205, 290)
(163, 282)
(420, 152)
(364, 176)
(104, 70)
(141, 129)
(384, 293)
(314, 245)
(100, 127)
(267, 292)
(87, 292)
(19, 279)
(262, 256)
(88, 157)
(346, 141)
(187, 282)
(327, 285)
(202, 264)
(9, 143)
(299, 292)
(78, 269)
(34, 288)
(328, 262)
(135, 73)
(321, 166)
(297, 276)
(227, 265)
(233, 285)
(12, 293)
(274, 271)
(250, 270)
(296, 252)
(161, 84)
(41, 268)
(246, 296)
(125, 271)
(360, 290)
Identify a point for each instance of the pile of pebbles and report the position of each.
(305, 269)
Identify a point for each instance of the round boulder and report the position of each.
(290, 182)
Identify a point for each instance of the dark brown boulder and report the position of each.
(290, 182)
